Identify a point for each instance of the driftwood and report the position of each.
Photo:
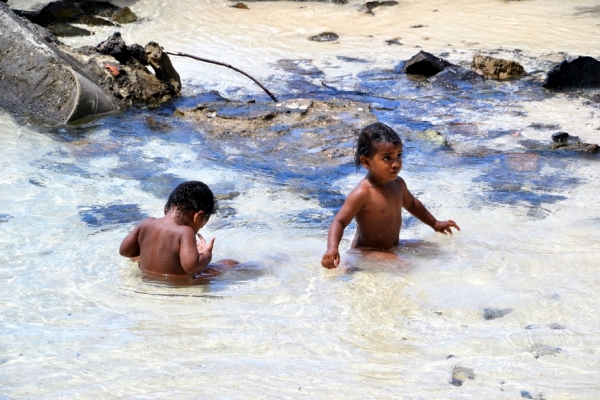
(225, 65)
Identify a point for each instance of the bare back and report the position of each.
(160, 243)
(379, 220)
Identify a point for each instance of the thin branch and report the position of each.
(225, 65)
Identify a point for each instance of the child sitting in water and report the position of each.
(377, 201)
(167, 246)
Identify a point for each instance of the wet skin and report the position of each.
(377, 203)
(168, 246)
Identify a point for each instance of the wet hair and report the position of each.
(370, 136)
(192, 196)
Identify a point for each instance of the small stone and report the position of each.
(526, 395)
(395, 41)
(124, 16)
(496, 68)
(241, 6)
(425, 64)
(556, 326)
(419, 26)
(493, 313)
(324, 37)
(560, 137)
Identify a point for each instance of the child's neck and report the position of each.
(378, 182)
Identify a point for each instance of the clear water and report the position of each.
(80, 321)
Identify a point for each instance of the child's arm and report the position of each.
(194, 256)
(416, 208)
(130, 246)
(353, 204)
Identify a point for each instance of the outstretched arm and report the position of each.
(194, 256)
(130, 246)
(416, 208)
(353, 204)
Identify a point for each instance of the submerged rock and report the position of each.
(317, 131)
(324, 37)
(461, 374)
(581, 72)
(496, 68)
(540, 350)
(556, 326)
(493, 313)
(425, 64)
(431, 136)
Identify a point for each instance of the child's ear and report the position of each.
(199, 216)
(364, 161)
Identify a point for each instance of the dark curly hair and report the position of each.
(192, 195)
(372, 135)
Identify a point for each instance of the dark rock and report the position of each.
(371, 5)
(493, 313)
(394, 41)
(324, 37)
(556, 326)
(129, 81)
(461, 374)
(526, 395)
(582, 72)
(99, 8)
(241, 6)
(124, 16)
(546, 127)
(139, 53)
(425, 64)
(115, 46)
(62, 29)
(496, 68)
(92, 21)
(419, 26)
(59, 11)
(560, 137)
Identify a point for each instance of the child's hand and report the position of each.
(444, 226)
(203, 247)
(331, 259)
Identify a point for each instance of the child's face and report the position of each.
(386, 163)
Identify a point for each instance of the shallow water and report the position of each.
(80, 321)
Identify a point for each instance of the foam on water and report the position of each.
(80, 321)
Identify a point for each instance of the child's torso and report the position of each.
(378, 223)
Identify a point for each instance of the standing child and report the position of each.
(167, 246)
(377, 201)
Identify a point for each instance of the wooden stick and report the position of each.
(225, 65)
